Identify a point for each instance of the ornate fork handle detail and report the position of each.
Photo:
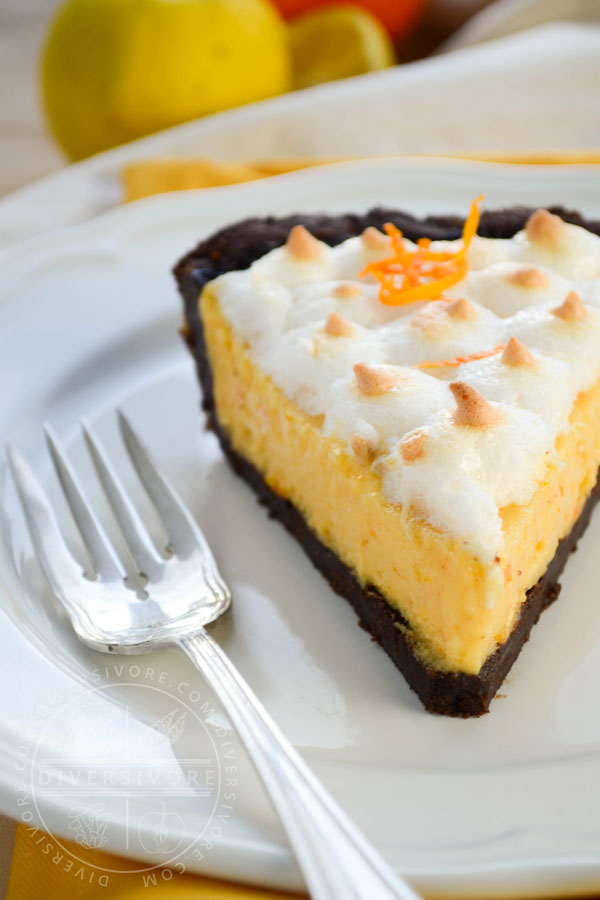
(337, 861)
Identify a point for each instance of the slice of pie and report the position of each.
(418, 402)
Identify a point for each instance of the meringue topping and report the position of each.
(302, 245)
(528, 277)
(372, 382)
(545, 228)
(517, 354)
(462, 309)
(375, 241)
(363, 449)
(338, 326)
(571, 309)
(472, 409)
(347, 289)
(412, 447)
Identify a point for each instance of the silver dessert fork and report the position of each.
(184, 593)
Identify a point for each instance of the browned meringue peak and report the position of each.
(375, 241)
(528, 277)
(413, 447)
(432, 318)
(338, 326)
(461, 308)
(472, 409)
(346, 289)
(571, 309)
(364, 449)
(372, 382)
(302, 245)
(545, 228)
(517, 354)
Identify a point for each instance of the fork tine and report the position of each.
(58, 565)
(184, 534)
(139, 542)
(106, 562)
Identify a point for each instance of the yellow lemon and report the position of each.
(114, 70)
(337, 42)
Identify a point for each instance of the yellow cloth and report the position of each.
(40, 869)
(160, 175)
(39, 872)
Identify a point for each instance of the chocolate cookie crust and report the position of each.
(236, 247)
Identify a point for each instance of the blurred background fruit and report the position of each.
(115, 70)
(397, 16)
(337, 42)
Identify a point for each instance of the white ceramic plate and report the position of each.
(94, 750)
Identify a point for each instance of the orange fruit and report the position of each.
(397, 16)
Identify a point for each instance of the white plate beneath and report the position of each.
(506, 805)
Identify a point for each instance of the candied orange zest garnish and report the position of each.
(419, 273)
(458, 360)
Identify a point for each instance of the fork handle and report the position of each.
(337, 861)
